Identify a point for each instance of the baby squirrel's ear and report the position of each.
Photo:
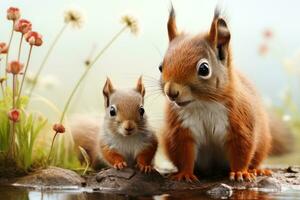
(219, 35)
(108, 89)
(140, 88)
(172, 28)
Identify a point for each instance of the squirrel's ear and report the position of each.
(172, 28)
(219, 35)
(140, 88)
(108, 89)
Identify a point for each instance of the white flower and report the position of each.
(47, 81)
(286, 118)
(131, 23)
(75, 17)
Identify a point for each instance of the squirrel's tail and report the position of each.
(282, 137)
(85, 132)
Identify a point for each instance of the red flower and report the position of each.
(34, 38)
(268, 33)
(13, 14)
(23, 26)
(14, 67)
(14, 115)
(59, 128)
(3, 48)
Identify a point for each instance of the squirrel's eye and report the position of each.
(160, 67)
(142, 111)
(113, 111)
(203, 69)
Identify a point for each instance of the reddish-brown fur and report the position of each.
(144, 158)
(125, 138)
(113, 157)
(179, 147)
(248, 138)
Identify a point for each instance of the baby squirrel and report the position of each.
(214, 117)
(125, 138)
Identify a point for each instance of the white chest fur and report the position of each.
(129, 147)
(208, 122)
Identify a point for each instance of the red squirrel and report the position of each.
(125, 138)
(214, 116)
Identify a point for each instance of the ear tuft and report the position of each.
(140, 88)
(219, 35)
(108, 89)
(172, 28)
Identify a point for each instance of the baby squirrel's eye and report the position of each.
(113, 111)
(142, 111)
(203, 69)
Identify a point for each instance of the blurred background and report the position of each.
(264, 40)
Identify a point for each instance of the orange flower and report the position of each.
(59, 128)
(14, 67)
(14, 115)
(34, 38)
(13, 14)
(23, 26)
(263, 49)
(3, 48)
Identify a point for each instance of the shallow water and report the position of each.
(18, 193)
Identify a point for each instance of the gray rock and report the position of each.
(128, 181)
(220, 191)
(269, 183)
(52, 177)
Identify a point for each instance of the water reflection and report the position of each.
(13, 193)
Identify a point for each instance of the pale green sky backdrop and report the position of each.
(131, 56)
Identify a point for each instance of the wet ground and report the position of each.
(17, 193)
(110, 184)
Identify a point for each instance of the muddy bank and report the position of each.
(133, 182)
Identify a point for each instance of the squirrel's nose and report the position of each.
(173, 95)
(128, 126)
(171, 91)
(129, 129)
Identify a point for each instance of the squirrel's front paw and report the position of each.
(241, 176)
(145, 168)
(260, 172)
(189, 177)
(120, 165)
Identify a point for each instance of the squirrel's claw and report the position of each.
(189, 177)
(144, 168)
(242, 176)
(261, 172)
(120, 165)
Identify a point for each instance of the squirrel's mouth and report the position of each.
(183, 103)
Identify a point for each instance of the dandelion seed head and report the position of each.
(131, 22)
(74, 16)
(286, 117)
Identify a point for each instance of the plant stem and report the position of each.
(87, 70)
(53, 140)
(45, 59)
(107, 46)
(20, 47)
(24, 75)
(13, 132)
(2, 89)
(10, 39)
